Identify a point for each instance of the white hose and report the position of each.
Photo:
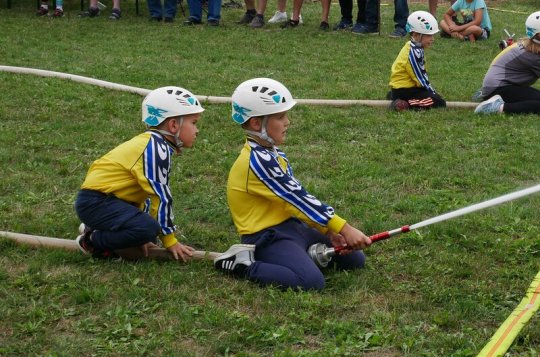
(205, 98)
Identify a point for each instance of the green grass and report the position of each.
(440, 291)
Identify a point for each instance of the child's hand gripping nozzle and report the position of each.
(508, 41)
(322, 255)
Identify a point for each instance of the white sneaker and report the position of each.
(236, 259)
(278, 17)
(492, 105)
(300, 21)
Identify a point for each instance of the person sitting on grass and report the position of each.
(276, 217)
(475, 24)
(409, 82)
(125, 200)
(509, 79)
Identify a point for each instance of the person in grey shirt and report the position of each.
(509, 79)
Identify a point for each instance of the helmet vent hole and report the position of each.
(283, 100)
(254, 89)
(264, 89)
(169, 91)
(272, 93)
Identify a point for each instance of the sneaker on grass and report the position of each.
(236, 259)
(492, 105)
(257, 22)
(278, 17)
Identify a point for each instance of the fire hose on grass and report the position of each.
(322, 255)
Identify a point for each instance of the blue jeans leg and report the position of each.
(155, 8)
(401, 13)
(170, 8)
(195, 9)
(214, 10)
(117, 224)
(372, 14)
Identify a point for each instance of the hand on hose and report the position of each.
(354, 238)
(180, 251)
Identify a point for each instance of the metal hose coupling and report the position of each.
(321, 254)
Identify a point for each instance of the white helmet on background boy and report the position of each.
(422, 22)
(532, 25)
(260, 97)
(167, 102)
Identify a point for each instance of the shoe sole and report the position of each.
(235, 249)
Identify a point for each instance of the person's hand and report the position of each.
(180, 251)
(354, 238)
(339, 241)
(146, 247)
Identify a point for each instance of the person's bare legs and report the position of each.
(281, 5)
(262, 6)
(325, 4)
(297, 7)
(433, 7)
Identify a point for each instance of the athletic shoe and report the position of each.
(84, 240)
(398, 33)
(343, 25)
(477, 96)
(213, 23)
(492, 105)
(115, 14)
(324, 26)
(300, 21)
(192, 21)
(58, 13)
(236, 259)
(85, 245)
(278, 17)
(257, 22)
(364, 30)
(399, 105)
(91, 12)
(246, 19)
(290, 23)
(42, 11)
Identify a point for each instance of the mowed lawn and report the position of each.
(442, 290)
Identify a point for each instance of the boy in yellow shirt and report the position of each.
(276, 217)
(409, 82)
(125, 200)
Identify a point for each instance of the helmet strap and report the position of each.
(263, 134)
(535, 40)
(177, 142)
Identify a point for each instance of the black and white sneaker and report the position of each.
(86, 246)
(236, 259)
(84, 242)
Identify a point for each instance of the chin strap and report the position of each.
(535, 41)
(263, 134)
(177, 142)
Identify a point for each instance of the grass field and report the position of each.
(440, 291)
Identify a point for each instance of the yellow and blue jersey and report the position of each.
(262, 192)
(409, 69)
(137, 171)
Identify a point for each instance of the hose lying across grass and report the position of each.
(207, 98)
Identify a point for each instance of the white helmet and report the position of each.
(260, 97)
(532, 25)
(166, 102)
(422, 22)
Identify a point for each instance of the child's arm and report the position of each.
(477, 20)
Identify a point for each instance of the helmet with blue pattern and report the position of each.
(260, 97)
(167, 102)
